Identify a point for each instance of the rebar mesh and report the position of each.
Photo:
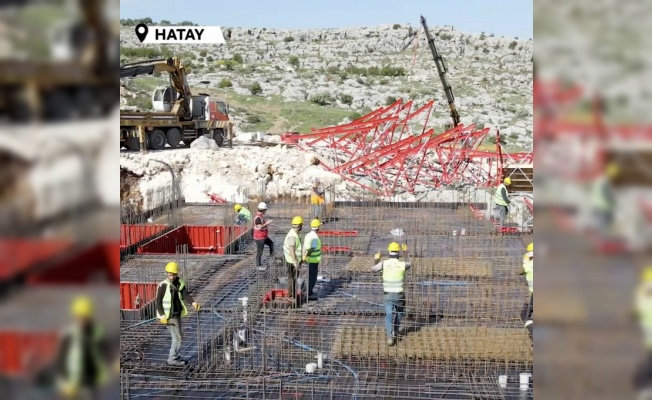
(462, 327)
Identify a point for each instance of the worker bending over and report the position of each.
(170, 308)
(502, 201)
(643, 311)
(261, 235)
(393, 281)
(312, 255)
(292, 253)
(317, 199)
(243, 215)
(528, 271)
(82, 353)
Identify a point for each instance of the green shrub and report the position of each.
(237, 58)
(203, 53)
(209, 59)
(227, 64)
(396, 26)
(390, 100)
(354, 115)
(293, 61)
(333, 70)
(383, 82)
(392, 71)
(225, 83)
(322, 99)
(513, 45)
(446, 36)
(255, 88)
(346, 99)
(288, 39)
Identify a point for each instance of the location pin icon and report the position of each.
(141, 32)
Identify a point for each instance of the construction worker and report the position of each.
(317, 198)
(312, 255)
(261, 235)
(393, 279)
(502, 201)
(528, 271)
(82, 353)
(643, 312)
(602, 198)
(292, 253)
(243, 215)
(171, 307)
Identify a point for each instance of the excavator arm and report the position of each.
(441, 69)
(177, 72)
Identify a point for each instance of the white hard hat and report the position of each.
(262, 206)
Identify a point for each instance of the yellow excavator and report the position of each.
(177, 115)
(77, 80)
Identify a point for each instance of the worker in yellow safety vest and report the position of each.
(602, 199)
(502, 201)
(317, 199)
(528, 271)
(170, 308)
(393, 280)
(83, 352)
(312, 255)
(243, 215)
(292, 253)
(643, 312)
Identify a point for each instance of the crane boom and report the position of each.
(441, 69)
(172, 66)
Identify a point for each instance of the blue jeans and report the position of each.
(394, 308)
(316, 211)
(240, 219)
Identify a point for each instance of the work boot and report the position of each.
(176, 363)
(313, 297)
(390, 341)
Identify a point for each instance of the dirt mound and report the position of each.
(130, 196)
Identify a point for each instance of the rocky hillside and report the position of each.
(279, 80)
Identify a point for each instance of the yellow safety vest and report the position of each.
(393, 275)
(644, 310)
(315, 255)
(167, 299)
(246, 213)
(498, 197)
(297, 246)
(75, 357)
(528, 266)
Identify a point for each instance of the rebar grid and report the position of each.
(462, 325)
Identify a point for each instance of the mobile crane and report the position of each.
(442, 70)
(177, 114)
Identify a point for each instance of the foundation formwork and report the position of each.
(462, 326)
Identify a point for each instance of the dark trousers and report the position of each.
(292, 275)
(313, 270)
(260, 245)
(528, 309)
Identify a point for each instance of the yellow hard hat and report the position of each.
(507, 181)
(297, 221)
(82, 307)
(172, 267)
(530, 247)
(237, 207)
(315, 223)
(612, 170)
(394, 247)
(647, 275)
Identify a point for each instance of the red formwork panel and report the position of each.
(83, 265)
(131, 234)
(135, 295)
(199, 239)
(24, 353)
(24, 254)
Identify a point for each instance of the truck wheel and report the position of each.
(188, 142)
(157, 140)
(174, 137)
(58, 106)
(133, 144)
(218, 137)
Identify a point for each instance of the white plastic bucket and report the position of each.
(502, 381)
(524, 380)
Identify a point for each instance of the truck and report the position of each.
(178, 114)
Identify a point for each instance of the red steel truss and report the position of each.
(392, 150)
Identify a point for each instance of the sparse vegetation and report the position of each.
(203, 53)
(390, 100)
(396, 26)
(293, 61)
(346, 99)
(228, 65)
(446, 36)
(255, 88)
(238, 58)
(225, 83)
(513, 44)
(322, 99)
(288, 39)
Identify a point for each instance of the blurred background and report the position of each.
(59, 215)
(593, 148)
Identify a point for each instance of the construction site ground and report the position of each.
(462, 328)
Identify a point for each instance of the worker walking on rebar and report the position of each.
(643, 313)
(243, 215)
(82, 355)
(261, 236)
(312, 255)
(393, 281)
(528, 271)
(317, 199)
(502, 201)
(171, 307)
(292, 252)
(603, 200)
